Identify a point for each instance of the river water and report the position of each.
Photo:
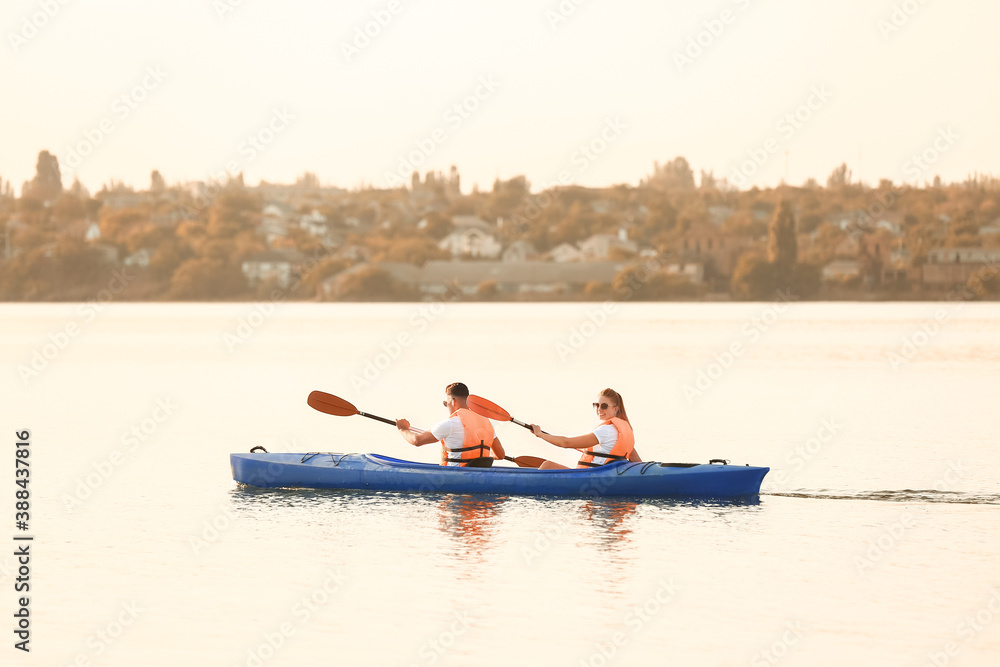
(874, 541)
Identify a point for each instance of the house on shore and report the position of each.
(519, 251)
(565, 252)
(472, 237)
(140, 258)
(706, 243)
(948, 267)
(599, 247)
(841, 269)
(276, 265)
(275, 220)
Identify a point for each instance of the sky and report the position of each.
(591, 92)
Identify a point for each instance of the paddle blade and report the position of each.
(488, 409)
(330, 404)
(526, 461)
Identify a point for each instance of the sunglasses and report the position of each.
(445, 403)
(603, 406)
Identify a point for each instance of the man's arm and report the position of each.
(415, 439)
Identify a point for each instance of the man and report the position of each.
(466, 437)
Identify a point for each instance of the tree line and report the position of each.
(197, 245)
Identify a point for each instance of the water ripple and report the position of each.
(900, 496)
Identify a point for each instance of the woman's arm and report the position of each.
(633, 456)
(575, 442)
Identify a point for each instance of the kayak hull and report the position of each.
(372, 472)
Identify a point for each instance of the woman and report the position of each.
(611, 441)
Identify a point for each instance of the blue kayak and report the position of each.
(371, 472)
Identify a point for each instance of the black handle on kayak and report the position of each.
(722, 461)
(377, 418)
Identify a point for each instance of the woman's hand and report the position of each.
(402, 425)
(536, 430)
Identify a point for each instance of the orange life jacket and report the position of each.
(478, 439)
(593, 458)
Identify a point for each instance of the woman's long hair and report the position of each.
(617, 398)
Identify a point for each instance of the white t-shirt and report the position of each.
(607, 437)
(451, 431)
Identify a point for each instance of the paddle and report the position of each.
(334, 405)
(491, 410)
(526, 461)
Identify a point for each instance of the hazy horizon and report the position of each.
(535, 84)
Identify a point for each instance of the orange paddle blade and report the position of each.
(528, 461)
(488, 409)
(330, 404)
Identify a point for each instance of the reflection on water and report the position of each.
(463, 514)
(470, 521)
(609, 516)
(329, 500)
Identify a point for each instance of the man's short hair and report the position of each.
(457, 390)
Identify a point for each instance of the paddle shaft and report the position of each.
(491, 410)
(527, 426)
(523, 461)
(377, 418)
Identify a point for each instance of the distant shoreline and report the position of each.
(722, 298)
